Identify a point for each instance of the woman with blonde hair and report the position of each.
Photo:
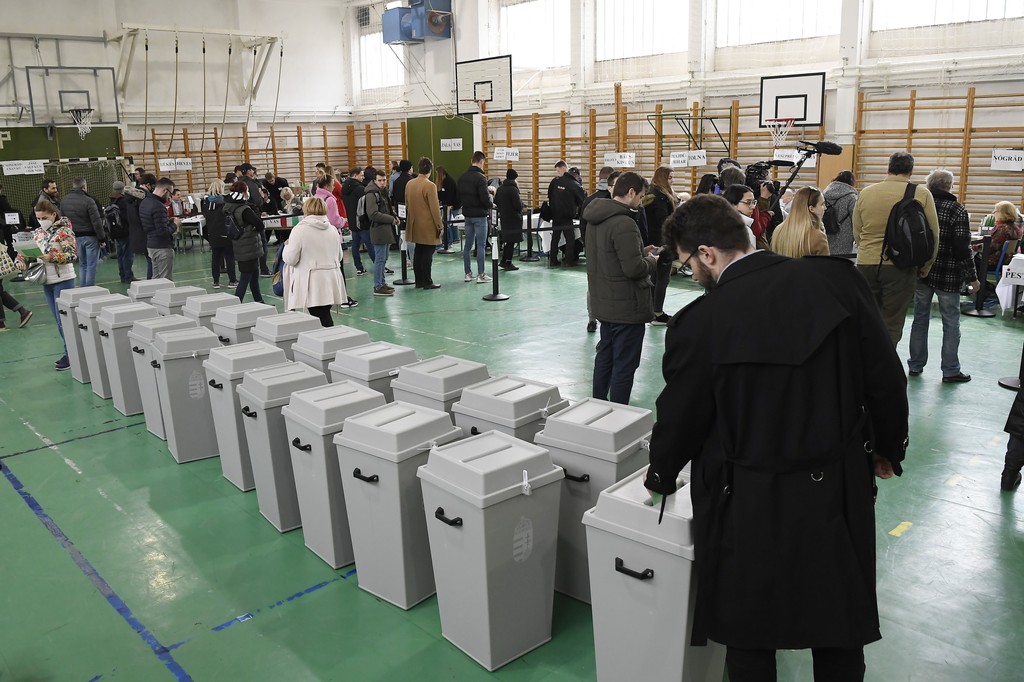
(1005, 221)
(312, 270)
(222, 253)
(801, 233)
(658, 203)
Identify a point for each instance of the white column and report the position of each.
(854, 29)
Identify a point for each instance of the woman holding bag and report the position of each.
(56, 270)
(312, 270)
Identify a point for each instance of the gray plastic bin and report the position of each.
(224, 370)
(141, 337)
(379, 452)
(372, 364)
(312, 417)
(491, 503)
(282, 330)
(509, 404)
(234, 323)
(184, 400)
(437, 382)
(597, 443)
(643, 587)
(86, 315)
(170, 300)
(263, 393)
(66, 304)
(203, 308)
(115, 323)
(318, 347)
(141, 291)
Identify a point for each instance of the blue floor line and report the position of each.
(97, 580)
(71, 440)
(298, 595)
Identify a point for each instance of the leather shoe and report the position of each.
(1009, 482)
(431, 286)
(958, 378)
(914, 372)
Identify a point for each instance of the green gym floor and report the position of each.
(117, 563)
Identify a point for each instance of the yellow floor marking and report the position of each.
(900, 529)
(953, 480)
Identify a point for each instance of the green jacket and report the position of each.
(618, 273)
(378, 210)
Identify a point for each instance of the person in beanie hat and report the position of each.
(510, 218)
(116, 215)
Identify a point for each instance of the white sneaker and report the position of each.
(482, 278)
(469, 277)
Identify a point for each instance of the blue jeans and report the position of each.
(89, 258)
(124, 260)
(51, 292)
(949, 309)
(618, 356)
(380, 259)
(476, 235)
(360, 237)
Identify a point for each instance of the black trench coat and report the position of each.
(774, 378)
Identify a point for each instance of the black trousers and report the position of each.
(508, 247)
(830, 665)
(323, 312)
(661, 277)
(249, 279)
(422, 260)
(225, 255)
(559, 232)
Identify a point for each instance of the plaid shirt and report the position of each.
(954, 264)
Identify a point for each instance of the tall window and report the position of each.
(535, 33)
(890, 15)
(745, 22)
(380, 65)
(640, 28)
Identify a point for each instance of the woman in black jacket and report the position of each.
(658, 204)
(248, 248)
(510, 217)
(220, 244)
(448, 197)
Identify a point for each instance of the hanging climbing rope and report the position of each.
(227, 88)
(202, 141)
(174, 117)
(145, 114)
(277, 98)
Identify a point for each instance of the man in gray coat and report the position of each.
(84, 213)
(619, 269)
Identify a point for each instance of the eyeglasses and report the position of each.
(750, 202)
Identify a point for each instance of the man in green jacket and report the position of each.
(619, 269)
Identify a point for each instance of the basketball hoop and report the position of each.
(779, 128)
(83, 120)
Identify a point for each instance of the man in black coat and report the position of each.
(565, 198)
(786, 417)
(159, 227)
(351, 191)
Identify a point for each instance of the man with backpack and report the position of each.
(116, 213)
(897, 233)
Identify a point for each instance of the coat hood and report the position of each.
(135, 192)
(600, 210)
(318, 222)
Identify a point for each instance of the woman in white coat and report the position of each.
(312, 264)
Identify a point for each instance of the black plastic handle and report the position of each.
(103, 333)
(248, 413)
(214, 384)
(579, 479)
(63, 312)
(154, 364)
(369, 479)
(223, 339)
(297, 444)
(83, 326)
(136, 349)
(645, 574)
(473, 431)
(439, 515)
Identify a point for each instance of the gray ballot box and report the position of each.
(178, 357)
(318, 347)
(234, 323)
(379, 452)
(509, 404)
(642, 586)
(312, 417)
(141, 291)
(66, 304)
(171, 300)
(263, 393)
(491, 503)
(225, 368)
(437, 382)
(202, 308)
(373, 365)
(115, 323)
(282, 330)
(141, 337)
(597, 443)
(86, 315)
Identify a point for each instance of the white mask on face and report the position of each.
(46, 224)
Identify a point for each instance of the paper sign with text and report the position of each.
(794, 156)
(1008, 159)
(23, 167)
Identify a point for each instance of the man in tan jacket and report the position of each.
(423, 224)
(892, 287)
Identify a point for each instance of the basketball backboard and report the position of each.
(800, 97)
(53, 91)
(484, 80)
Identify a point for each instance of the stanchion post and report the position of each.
(979, 300)
(405, 261)
(529, 257)
(495, 257)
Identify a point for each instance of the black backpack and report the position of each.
(115, 226)
(232, 230)
(830, 221)
(909, 241)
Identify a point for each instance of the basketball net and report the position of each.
(779, 129)
(83, 120)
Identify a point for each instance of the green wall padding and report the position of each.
(424, 139)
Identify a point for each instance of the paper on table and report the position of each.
(28, 248)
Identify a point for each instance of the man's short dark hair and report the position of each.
(706, 220)
(722, 163)
(148, 179)
(612, 177)
(140, 169)
(734, 193)
(561, 164)
(605, 173)
(379, 174)
(47, 182)
(238, 169)
(478, 157)
(629, 181)
(425, 165)
(165, 182)
(731, 175)
(404, 166)
(356, 170)
(901, 163)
